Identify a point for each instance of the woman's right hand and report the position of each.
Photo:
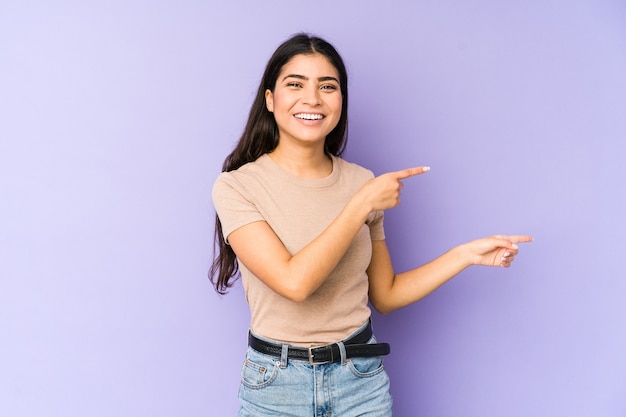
(383, 192)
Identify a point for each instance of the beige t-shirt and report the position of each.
(298, 210)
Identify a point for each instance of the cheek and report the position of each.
(336, 99)
(338, 105)
(281, 109)
(281, 99)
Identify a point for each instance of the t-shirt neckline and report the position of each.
(277, 170)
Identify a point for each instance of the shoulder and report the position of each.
(239, 183)
(243, 174)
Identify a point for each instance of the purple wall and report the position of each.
(115, 117)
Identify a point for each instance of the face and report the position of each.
(306, 100)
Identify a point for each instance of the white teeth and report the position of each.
(306, 116)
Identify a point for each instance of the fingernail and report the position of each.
(426, 169)
(514, 246)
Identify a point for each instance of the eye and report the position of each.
(328, 87)
(294, 84)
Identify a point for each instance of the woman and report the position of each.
(305, 230)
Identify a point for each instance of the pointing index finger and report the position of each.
(514, 239)
(521, 238)
(411, 172)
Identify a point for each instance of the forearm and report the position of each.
(310, 267)
(408, 287)
(390, 291)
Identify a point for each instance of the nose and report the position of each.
(311, 96)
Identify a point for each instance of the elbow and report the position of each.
(291, 286)
(296, 297)
(382, 311)
(295, 294)
(381, 307)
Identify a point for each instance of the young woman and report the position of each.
(304, 228)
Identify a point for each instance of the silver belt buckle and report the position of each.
(312, 360)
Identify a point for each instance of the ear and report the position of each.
(269, 101)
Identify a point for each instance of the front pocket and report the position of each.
(257, 375)
(366, 367)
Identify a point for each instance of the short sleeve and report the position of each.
(375, 223)
(233, 207)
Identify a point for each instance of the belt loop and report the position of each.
(283, 355)
(342, 351)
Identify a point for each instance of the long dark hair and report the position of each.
(260, 136)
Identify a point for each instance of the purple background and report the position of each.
(115, 117)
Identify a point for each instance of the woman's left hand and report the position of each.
(497, 250)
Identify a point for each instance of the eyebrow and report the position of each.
(302, 77)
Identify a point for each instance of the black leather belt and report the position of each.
(356, 347)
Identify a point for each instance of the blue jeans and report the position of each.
(277, 386)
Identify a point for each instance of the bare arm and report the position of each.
(390, 291)
(297, 276)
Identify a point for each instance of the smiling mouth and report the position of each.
(309, 116)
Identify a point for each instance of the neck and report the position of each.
(303, 162)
